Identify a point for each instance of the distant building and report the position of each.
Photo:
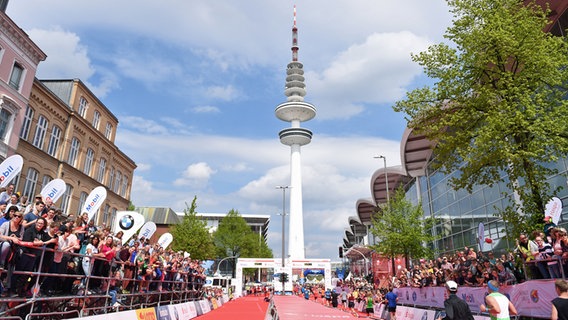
(19, 58)
(163, 217)
(258, 223)
(68, 133)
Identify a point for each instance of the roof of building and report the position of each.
(159, 215)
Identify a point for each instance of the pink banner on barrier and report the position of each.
(531, 298)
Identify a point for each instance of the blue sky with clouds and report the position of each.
(194, 84)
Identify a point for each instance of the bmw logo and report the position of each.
(126, 222)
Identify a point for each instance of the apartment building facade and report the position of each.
(68, 133)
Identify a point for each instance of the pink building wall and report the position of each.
(15, 47)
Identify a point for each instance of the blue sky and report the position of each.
(195, 83)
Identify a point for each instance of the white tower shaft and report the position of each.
(296, 226)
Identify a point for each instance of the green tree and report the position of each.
(192, 235)
(261, 250)
(400, 229)
(497, 108)
(235, 238)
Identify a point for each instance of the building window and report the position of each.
(16, 181)
(96, 119)
(28, 117)
(117, 180)
(111, 178)
(82, 199)
(73, 152)
(124, 186)
(41, 128)
(102, 170)
(89, 162)
(31, 183)
(83, 105)
(5, 117)
(112, 218)
(16, 76)
(108, 130)
(54, 141)
(45, 180)
(105, 215)
(66, 198)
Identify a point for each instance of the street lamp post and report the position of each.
(283, 222)
(219, 264)
(364, 258)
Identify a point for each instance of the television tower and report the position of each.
(295, 111)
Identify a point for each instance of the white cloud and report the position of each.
(142, 187)
(173, 122)
(226, 93)
(236, 167)
(205, 109)
(143, 125)
(196, 175)
(374, 72)
(143, 167)
(66, 56)
(146, 68)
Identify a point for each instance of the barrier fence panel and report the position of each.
(33, 289)
(531, 299)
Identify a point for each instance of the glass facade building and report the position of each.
(457, 214)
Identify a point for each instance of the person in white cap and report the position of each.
(497, 304)
(456, 308)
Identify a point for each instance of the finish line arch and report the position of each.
(276, 264)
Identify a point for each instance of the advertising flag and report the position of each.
(53, 190)
(94, 201)
(165, 240)
(147, 230)
(10, 168)
(128, 222)
(553, 209)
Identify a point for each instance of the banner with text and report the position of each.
(531, 298)
(53, 191)
(94, 201)
(10, 168)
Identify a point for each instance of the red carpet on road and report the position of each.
(245, 308)
(292, 308)
(288, 307)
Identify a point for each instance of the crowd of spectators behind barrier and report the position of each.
(38, 237)
(540, 255)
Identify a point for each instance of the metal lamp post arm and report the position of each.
(364, 258)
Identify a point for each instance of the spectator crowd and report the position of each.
(540, 255)
(73, 254)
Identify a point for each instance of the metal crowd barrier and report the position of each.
(562, 265)
(86, 300)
